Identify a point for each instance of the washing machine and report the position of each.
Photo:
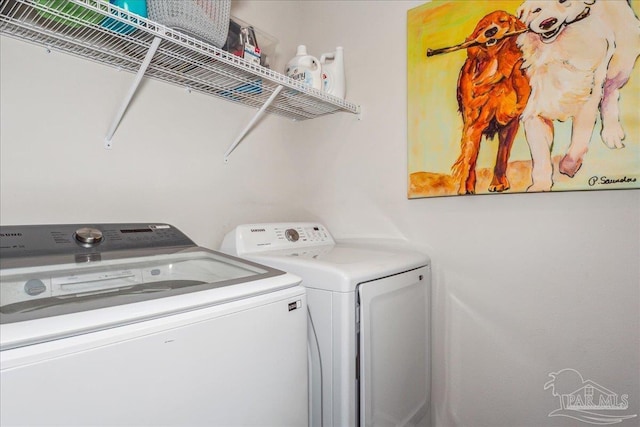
(133, 324)
(368, 320)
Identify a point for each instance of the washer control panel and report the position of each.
(26, 275)
(85, 240)
(250, 238)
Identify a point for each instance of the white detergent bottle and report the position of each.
(333, 77)
(305, 68)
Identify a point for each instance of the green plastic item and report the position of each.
(66, 7)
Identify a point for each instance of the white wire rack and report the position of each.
(156, 51)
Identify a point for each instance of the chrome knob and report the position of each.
(291, 235)
(88, 236)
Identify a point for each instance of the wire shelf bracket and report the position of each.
(132, 90)
(251, 123)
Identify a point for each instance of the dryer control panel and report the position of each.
(251, 238)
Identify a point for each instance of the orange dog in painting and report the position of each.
(492, 93)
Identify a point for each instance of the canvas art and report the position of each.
(514, 96)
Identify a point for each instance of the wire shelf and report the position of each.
(74, 26)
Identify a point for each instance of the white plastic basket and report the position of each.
(207, 20)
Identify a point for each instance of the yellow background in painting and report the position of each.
(434, 124)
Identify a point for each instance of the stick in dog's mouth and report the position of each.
(471, 43)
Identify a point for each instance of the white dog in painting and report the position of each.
(577, 54)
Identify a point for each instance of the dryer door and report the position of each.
(392, 349)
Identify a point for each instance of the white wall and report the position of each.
(523, 284)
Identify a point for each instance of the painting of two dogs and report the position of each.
(526, 70)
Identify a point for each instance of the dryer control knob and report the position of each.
(291, 235)
(88, 235)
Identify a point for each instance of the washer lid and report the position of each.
(342, 266)
(41, 303)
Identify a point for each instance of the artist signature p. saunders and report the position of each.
(603, 180)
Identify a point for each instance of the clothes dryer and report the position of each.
(368, 320)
